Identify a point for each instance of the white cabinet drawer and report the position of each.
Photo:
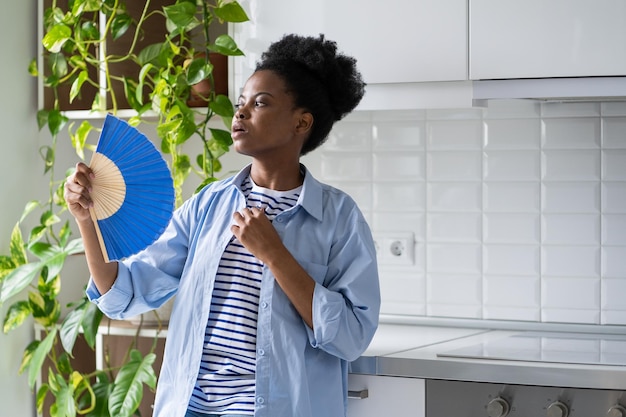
(387, 396)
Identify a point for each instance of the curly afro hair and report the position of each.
(321, 80)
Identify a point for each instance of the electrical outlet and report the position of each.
(395, 248)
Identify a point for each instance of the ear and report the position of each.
(304, 122)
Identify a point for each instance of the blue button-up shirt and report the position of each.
(300, 372)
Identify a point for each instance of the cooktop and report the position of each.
(572, 348)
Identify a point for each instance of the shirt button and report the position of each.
(279, 219)
(260, 400)
(261, 352)
(264, 304)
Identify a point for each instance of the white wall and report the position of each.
(518, 210)
(18, 169)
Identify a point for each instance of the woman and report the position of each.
(274, 273)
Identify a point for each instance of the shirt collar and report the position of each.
(310, 198)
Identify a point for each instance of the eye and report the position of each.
(259, 103)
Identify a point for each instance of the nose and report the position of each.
(240, 113)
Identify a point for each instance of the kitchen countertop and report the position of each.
(406, 350)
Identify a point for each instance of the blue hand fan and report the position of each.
(132, 192)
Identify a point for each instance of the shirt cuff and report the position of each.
(115, 301)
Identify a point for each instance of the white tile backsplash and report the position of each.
(613, 197)
(508, 134)
(512, 197)
(571, 133)
(454, 166)
(570, 229)
(502, 228)
(613, 129)
(518, 209)
(514, 165)
(570, 165)
(454, 227)
(511, 260)
(570, 197)
(399, 166)
(570, 261)
(614, 165)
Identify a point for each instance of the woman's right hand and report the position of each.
(77, 192)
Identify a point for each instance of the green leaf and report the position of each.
(27, 356)
(53, 256)
(204, 183)
(56, 121)
(145, 70)
(50, 289)
(181, 15)
(80, 138)
(42, 118)
(64, 233)
(29, 208)
(56, 37)
(42, 392)
(91, 320)
(36, 233)
(58, 67)
(16, 315)
(82, 6)
(89, 31)
(156, 54)
(222, 137)
(33, 68)
(18, 279)
(231, 12)
(45, 309)
(226, 45)
(64, 399)
(128, 390)
(82, 389)
(63, 363)
(120, 24)
(77, 84)
(198, 70)
(48, 218)
(131, 93)
(71, 327)
(222, 106)
(18, 253)
(102, 389)
(34, 368)
(47, 154)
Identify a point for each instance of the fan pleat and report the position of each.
(146, 191)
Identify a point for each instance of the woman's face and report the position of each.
(266, 122)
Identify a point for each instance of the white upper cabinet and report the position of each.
(547, 38)
(394, 41)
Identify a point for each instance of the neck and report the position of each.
(279, 177)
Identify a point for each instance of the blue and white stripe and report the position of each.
(225, 381)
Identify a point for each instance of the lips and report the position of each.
(238, 128)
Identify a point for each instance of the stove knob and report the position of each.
(557, 409)
(616, 411)
(498, 407)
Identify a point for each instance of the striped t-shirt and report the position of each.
(225, 381)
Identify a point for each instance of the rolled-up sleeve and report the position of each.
(346, 310)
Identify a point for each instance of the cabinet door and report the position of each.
(387, 396)
(395, 41)
(539, 38)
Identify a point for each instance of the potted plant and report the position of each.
(138, 60)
